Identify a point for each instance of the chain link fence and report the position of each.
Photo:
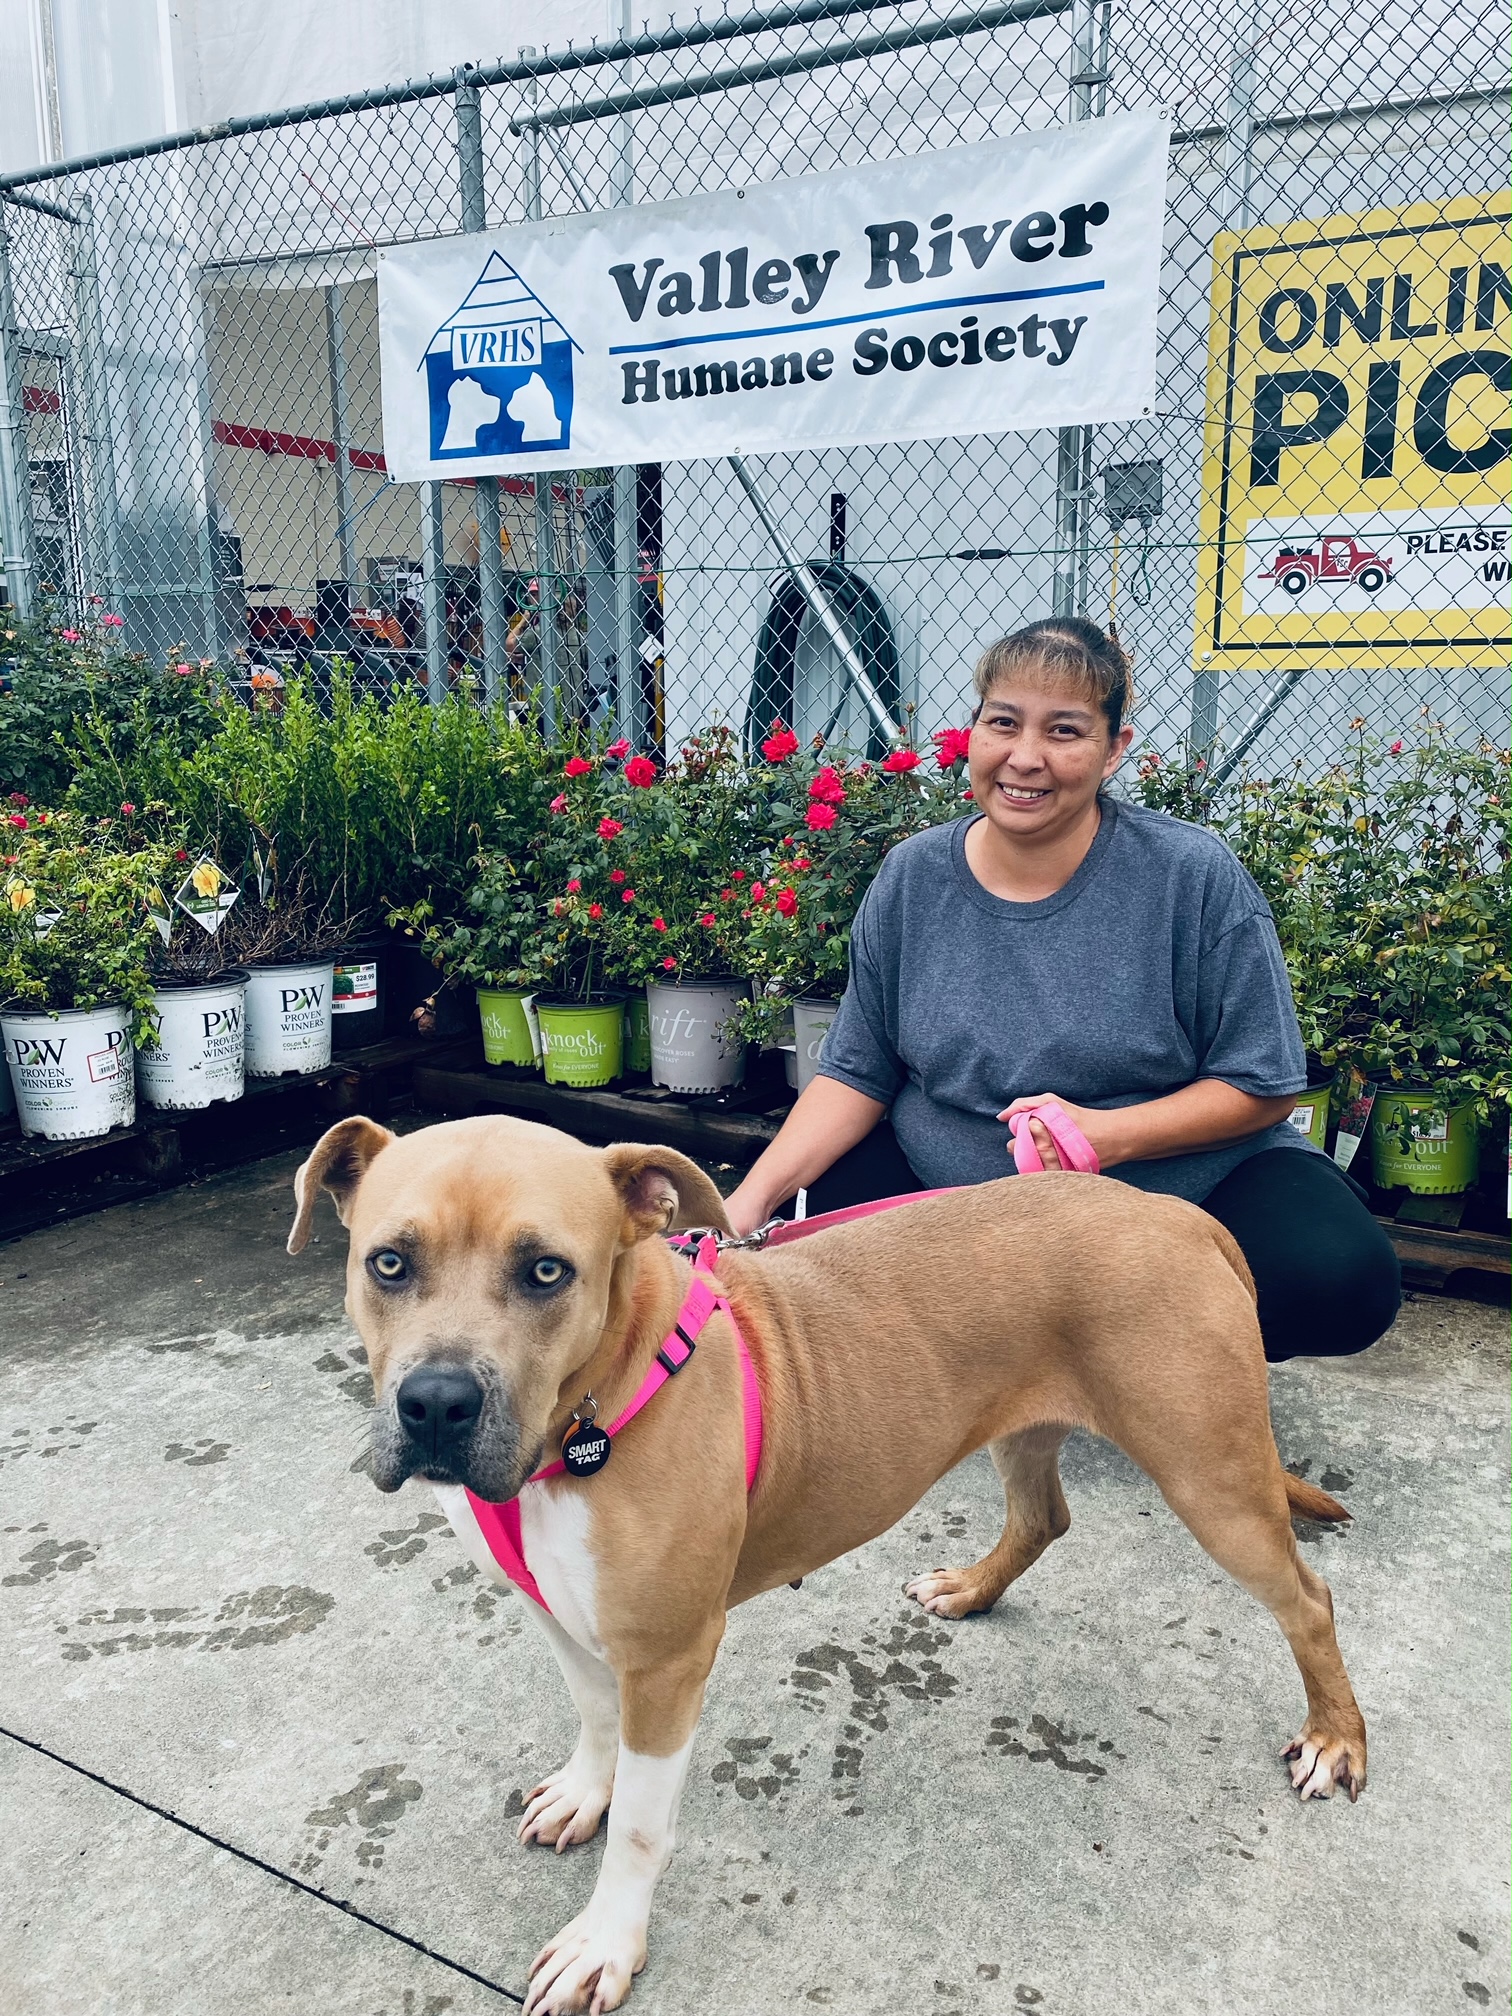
(190, 414)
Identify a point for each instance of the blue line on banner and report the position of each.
(876, 315)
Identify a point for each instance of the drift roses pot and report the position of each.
(696, 1045)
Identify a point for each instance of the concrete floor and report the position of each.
(1074, 1807)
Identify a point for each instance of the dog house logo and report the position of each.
(499, 372)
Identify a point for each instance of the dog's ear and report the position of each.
(662, 1191)
(338, 1163)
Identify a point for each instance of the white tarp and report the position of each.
(1002, 286)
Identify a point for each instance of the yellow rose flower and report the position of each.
(206, 879)
(21, 894)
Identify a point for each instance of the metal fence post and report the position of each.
(486, 491)
(336, 362)
(545, 530)
(434, 514)
(15, 477)
(105, 506)
(629, 712)
(1073, 460)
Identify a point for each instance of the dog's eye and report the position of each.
(389, 1266)
(548, 1273)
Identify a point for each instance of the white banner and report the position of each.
(1003, 286)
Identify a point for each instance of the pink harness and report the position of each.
(500, 1524)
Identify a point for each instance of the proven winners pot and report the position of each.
(1442, 1161)
(690, 1051)
(198, 1052)
(582, 1041)
(812, 1016)
(289, 1017)
(511, 1034)
(71, 1071)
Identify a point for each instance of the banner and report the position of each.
(1007, 285)
(1354, 502)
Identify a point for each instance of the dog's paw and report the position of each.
(951, 1592)
(565, 1809)
(1322, 1761)
(589, 1965)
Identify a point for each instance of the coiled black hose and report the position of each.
(859, 609)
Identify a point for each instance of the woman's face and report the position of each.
(1038, 758)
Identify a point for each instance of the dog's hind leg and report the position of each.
(1037, 1514)
(566, 1808)
(1236, 1507)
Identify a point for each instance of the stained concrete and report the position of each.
(1073, 1807)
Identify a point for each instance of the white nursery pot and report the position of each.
(7, 1088)
(289, 1017)
(71, 1071)
(811, 1020)
(198, 1052)
(689, 1051)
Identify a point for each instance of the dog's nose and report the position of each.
(438, 1405)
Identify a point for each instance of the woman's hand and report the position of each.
(1207, 1114)
(1100, 1127)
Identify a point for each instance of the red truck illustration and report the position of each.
(1334, 559)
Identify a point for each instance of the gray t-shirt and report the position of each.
(1157, 964)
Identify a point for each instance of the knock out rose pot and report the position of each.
(71, 1070)
(582, 1041)
(511, 1034)
(289, 1017)
(196, 1051)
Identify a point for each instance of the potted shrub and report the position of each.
(285, 933)
(195, 1050)
(493, 946)
(76, 943)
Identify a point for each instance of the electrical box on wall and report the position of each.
(1133, 490)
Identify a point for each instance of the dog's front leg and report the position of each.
(567, 1807)
(590, 1963)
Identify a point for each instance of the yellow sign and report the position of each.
(1354, 494)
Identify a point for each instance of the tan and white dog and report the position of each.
(498, 1270)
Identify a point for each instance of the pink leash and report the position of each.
(1072, 1146)
(500, 1524)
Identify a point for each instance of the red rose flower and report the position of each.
(640, 771)
(609, 829)
(827, 788)
(758, 892)
(1395, 749)
(128, 808)
(737, 874)
(181, 855)
(627, 895)
(18, 819)
(669, 965)
(951, 746)
(20, 800)
(576, 766)
(820, 818)
(618, 749)
(780, 744)
(559, 803)
(708, 920)
(595, 909)
(787, 902)
(658, 923)
(573, 887)
(899, 761)
(801, 862)
(616, 876)
(968, 792)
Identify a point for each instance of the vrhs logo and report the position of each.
(499, 372)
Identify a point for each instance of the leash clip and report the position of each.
(730, 1242)
(591, 1405)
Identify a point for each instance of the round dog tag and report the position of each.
(585, 1449)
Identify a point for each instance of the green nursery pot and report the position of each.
(1310, 1114)
(507, 1034)
(583, 1041)
(637, 1033)
(1440, 1164)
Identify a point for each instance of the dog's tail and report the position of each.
(1311, 1503)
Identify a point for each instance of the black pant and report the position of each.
(1325, 1273)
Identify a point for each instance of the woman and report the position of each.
(1061, 944)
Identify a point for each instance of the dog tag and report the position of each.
(585, 1449)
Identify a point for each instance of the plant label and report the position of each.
(206, 895)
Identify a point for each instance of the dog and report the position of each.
(500, 1273)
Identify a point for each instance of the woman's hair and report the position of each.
(1062, 651)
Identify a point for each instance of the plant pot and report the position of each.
(71, 1071)
(511, 1034)
(689, 1049)
(359, 994)
(1442, 1162)
(812, 1016)
(7, 1090)
(790, 1064)
(637, 1034)
(1310, 1114)
(198, 1053)
(582, 1042)
(412, 980)
(289, 1018)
